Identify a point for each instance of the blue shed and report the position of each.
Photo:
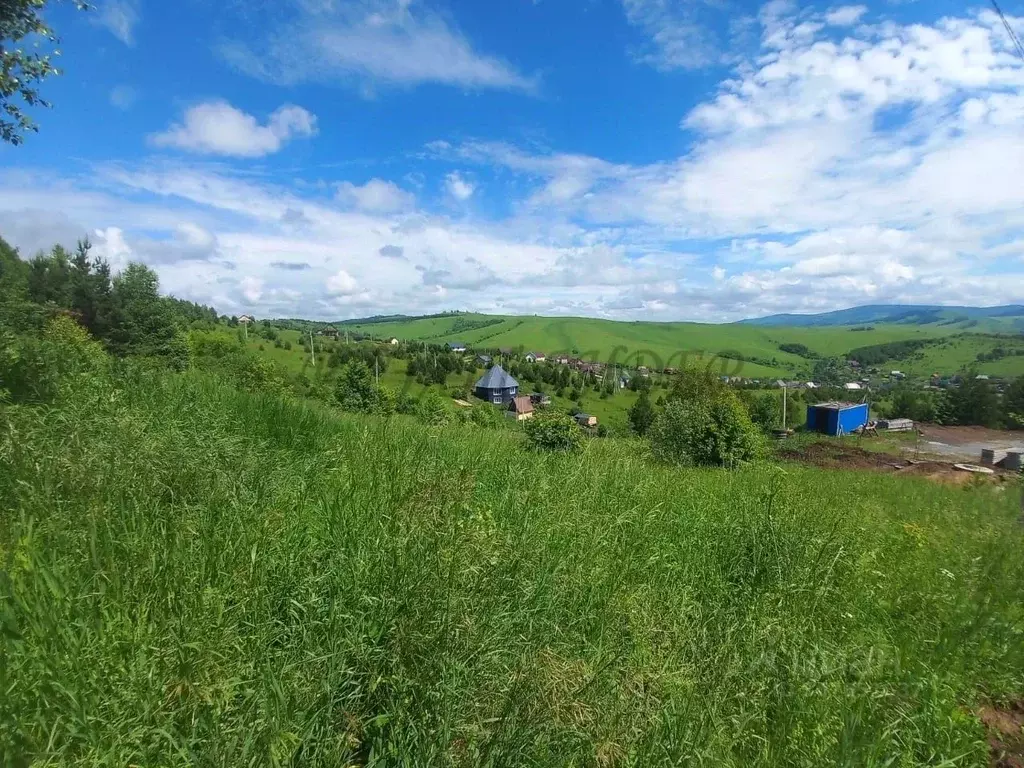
(497, 386)
(836, 418)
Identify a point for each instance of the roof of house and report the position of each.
(485, 358)
(535, 354)
(456, 344)
(521, 404)
(835, 405)
(496, 378)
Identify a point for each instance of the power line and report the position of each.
(1009, 31)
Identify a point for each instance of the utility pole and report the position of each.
(376, 370)
(783, 406)
(312, 349)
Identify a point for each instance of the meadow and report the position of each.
(195, 575)
(748, 350)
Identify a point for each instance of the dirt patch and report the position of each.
(1004, 727)
(835, 455)
(966, 435)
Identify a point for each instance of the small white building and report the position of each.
(852, 385)
(393, 342)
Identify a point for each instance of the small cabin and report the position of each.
(456, 346)
(586, 420)
(535, 357)
(520, 408)
(837, 418)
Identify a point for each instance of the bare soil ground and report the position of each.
(966, 442)
(1004, 726)
(835, 455)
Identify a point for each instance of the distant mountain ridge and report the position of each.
(1008, 317)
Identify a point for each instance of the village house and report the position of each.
(496, 386)
(540, 399)
(585, 420)
(562, 359)
(393, 342)
(852, 385)
(535, 357)
(246, 319)
(520, 408)
(483, 359)
(456, 346)
(329, 332)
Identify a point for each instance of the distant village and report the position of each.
(499, 387)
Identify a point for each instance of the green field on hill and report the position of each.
(668, 344)
(195, 575)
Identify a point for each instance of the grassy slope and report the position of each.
(663, 343)
(198, 576)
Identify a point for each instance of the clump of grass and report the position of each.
(196, 575)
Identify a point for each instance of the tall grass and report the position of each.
(194, 575)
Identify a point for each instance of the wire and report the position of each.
(1009, 31)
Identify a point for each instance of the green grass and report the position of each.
(664, 344)
(196, 576)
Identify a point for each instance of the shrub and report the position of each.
(41, 370)
(485, 415)
(433, 409)
(553, 431)
(641, 414)
(715, 431)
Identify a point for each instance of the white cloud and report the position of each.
(120, 17)
(369, 43)
(123, 97)
(846, 15)
(680, 34)
(217, 128)
(252, 289)
(342, 283)
(458, 187)
(836, 166)
(375, 196)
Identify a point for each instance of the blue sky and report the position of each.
(640, 159)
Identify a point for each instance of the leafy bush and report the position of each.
(356, 391)
(715, 431)
(41, 370)
(797, 349)
(486, 415)
(434, 409)
(553, 431)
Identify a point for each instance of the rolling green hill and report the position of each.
(745, 349)
(1004, 319)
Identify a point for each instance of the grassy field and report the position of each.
(197, 576)
(664, 344)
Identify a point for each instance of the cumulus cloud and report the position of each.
(867, 162)
(375, 196)
(341, 283)
(845, 15)
(217, 128)
(459, 187)
(370, 43)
